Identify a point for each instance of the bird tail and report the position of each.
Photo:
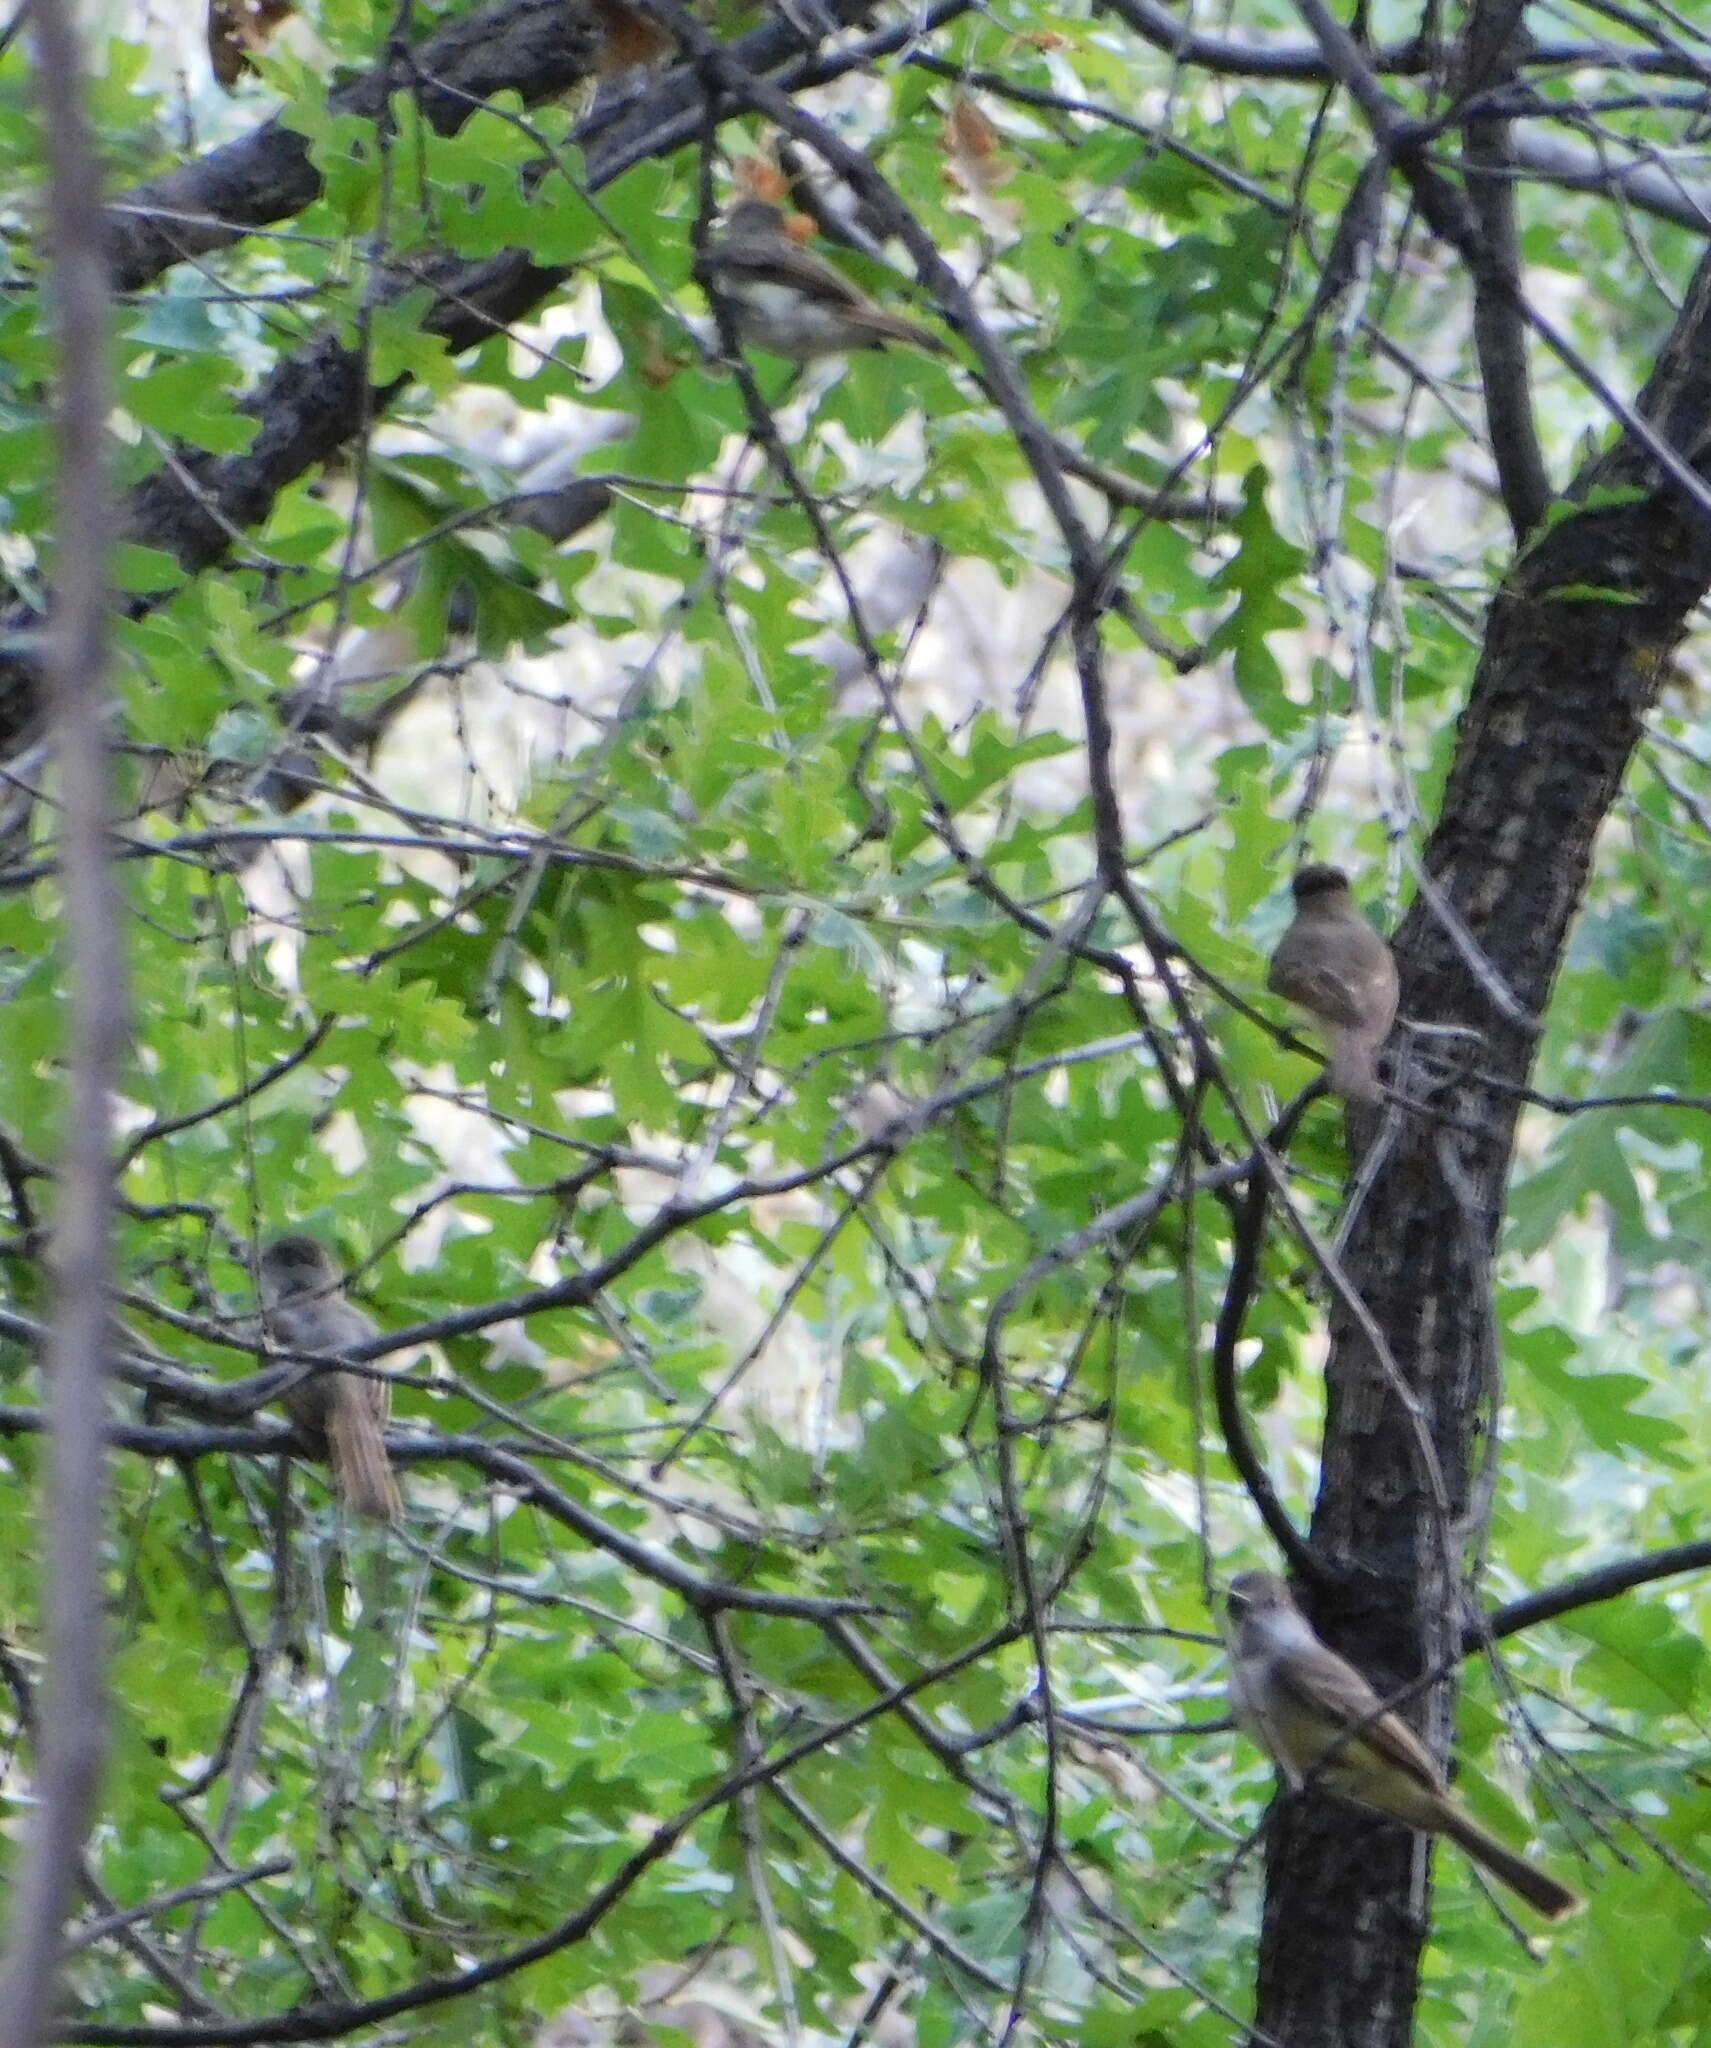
(355, 1438)
(1353, 1072)
(1540, 1890)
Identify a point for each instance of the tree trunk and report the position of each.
(1564, 682)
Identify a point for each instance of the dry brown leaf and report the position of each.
(630, 39)
(758, 177)
(973, 147)
(235, 28)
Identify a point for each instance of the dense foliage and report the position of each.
(800, 1183)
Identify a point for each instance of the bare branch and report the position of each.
(1586, 1589)
(1654, 188)
(1416, 58)
(71, 1737)
(510, 1468)
(1499, 331)
(1232, 1313)
(180, 1895)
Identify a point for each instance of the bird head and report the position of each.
(296, 1264)
(1318, 878)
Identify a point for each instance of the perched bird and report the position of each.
(1336, 967)
(786, 298)
(1318, 1719)
(304, 1309)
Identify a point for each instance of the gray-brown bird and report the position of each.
(786, 298)
(1336, 967)
(304, 1309)
(1318, 1719)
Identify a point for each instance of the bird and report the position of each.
(304, 1309)
(1318, 1719)
(783, 297)
(1332, 964)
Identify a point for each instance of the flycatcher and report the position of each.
(1320, 1721)
(1336, 967)
(304, 1309)
(786, 298)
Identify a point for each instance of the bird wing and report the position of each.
(321, 1323)
(320, 1399)
(1339, 969)
(1329, 1695)
(774, 259)
(1321, 989)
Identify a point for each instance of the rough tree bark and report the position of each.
(537, 48)
(1564, 683)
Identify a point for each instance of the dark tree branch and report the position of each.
(72, 1735)
(184, 1443)
(1416, 58)
(1232, 1314)
(1224, 57)
(312, 404)
(538, 48)
(166, 1127)
(509, 1468)
(1489, 55)
(1449, 214)
(1654, 188)
(1586, 1589)
(122, 1917)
